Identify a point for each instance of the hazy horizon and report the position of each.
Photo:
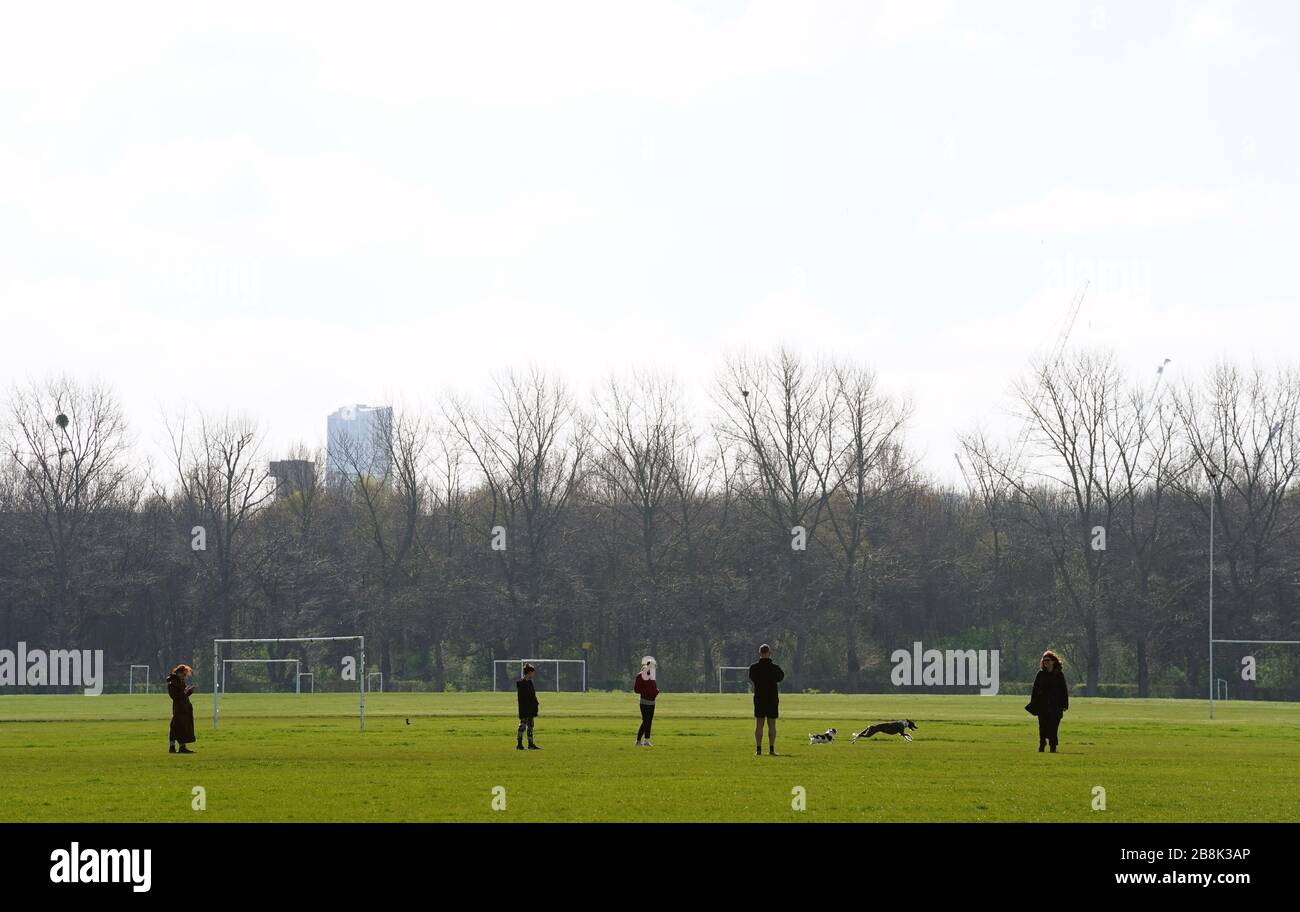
(280, 211)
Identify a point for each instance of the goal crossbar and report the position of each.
(130, 678)
(1262, 642)
(556, 662)
(361, 667)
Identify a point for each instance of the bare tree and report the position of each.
(296, 574)
(223, 480)
(638, 438)
(69, 443)
(1068, 491)
(448, 490)
(307, 493)
(386, 476)
(1141, 430)
(989, 464)
(448, 594)
(639, 527)
(700, 514)
(871, 467)
(531, 448)
(1241, 439)
(779, 414)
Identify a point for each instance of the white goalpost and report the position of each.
(218, 685)
(130, 678)
(722, 668)
(296, 663)
(1213, 641)
(520, 663)
(1221, 684)
(370, 678)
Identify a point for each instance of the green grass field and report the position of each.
(287, 758)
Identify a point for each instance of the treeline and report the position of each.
(794, 513)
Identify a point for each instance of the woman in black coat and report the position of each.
(179, 689)
(1050, 699)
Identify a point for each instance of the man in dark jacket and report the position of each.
(182, 728)
(1049, 700)
(765, 675)
(527, 708)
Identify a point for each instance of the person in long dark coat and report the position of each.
(766, 675)
(182, 730)
(1049, 700)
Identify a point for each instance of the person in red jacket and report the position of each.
(645, 685)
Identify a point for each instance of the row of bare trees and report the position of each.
(1142, 462)
(532, 523)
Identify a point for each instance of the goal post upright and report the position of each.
(361, 668)
(1211, 670)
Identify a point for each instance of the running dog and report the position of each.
(888, 728)
(825, 737)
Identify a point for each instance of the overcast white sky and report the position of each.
(281, 209)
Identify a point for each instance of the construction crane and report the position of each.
(1058, 351)
(962, 466)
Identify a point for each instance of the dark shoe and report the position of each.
(1041, 747)
(1053, 748)
(533, 747)
(759, 752)
(519, 746)
(171, 748)
(772, 753)
(184, 750)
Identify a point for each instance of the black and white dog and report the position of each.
(825, 737)
(888, 728)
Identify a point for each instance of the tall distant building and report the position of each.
(354, 442)
(293, 476)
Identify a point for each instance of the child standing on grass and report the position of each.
(527, 708)
(645, 685)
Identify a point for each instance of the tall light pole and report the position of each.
(1213, 490)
